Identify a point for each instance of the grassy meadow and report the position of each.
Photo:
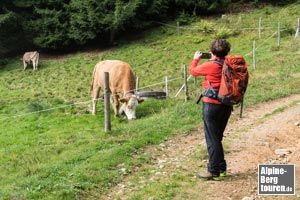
(53, 148)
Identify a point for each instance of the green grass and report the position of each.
(64, 153)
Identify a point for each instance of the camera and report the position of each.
(206, 55)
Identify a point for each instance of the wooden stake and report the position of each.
(137, 84)
(298, 27)
(259, 28)
(278, 33)
(185, 84)
(107, 122)
(254, 54)
(167, 90)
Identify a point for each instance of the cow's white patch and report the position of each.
(131, 107)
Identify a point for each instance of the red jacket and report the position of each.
(212, 72)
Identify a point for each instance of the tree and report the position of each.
(51, 24)
(107, 19)
(13, 37)
(62, 24)
(200, 7)
(86, 19)
(10, 34)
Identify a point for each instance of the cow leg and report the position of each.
(33, 64)
(115, 103)
(25, 64)
(37, 61)
(96, 90)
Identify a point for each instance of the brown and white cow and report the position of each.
(31, 57)
(121, 84)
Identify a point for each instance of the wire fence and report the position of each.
(174, 79)
(83, 102)
(199, 28)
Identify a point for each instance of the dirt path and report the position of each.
(248, 142)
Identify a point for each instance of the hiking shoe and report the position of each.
(209, 176)
(223, 174)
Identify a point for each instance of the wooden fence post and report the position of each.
(182, 87)
(254, 54)
(298, 27)
(186, 89)
(137, 84)
(259, 28)
(107, 122)
(167, 90)
(278, 33)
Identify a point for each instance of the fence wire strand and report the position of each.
(79, 103)
(154, 84)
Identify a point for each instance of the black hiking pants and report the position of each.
(215, 117)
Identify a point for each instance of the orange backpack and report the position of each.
(234, 80)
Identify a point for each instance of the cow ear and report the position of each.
(140, 100)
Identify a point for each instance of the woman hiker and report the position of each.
(215, 114)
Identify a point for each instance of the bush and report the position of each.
(184, 19)
(3, 63)
(224, 33)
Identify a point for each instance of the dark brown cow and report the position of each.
(121, 84)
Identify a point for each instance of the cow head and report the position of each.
(129, 106)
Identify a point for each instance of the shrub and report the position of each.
(225, 33)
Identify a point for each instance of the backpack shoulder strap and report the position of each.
(220, 62)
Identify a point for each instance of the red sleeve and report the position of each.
(201, 70)
(211, 71)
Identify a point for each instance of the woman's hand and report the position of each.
(197, 55)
